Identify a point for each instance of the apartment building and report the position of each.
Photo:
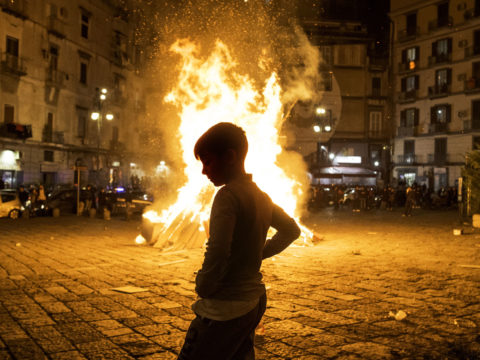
(436, 58)
(70, 96)
(345, 135)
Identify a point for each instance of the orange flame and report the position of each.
(210, 91)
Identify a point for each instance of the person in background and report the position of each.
(41, 199)
(23, 196)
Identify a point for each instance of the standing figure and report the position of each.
(232, 297)
(409, 201)
(41, 199)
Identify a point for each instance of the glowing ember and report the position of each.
(209, 91)
(140, 240)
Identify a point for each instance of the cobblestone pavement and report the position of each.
(335, 300)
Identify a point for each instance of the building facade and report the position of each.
(436, 64)
(61, 62)
(347, 140)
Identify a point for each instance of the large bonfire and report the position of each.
(210, 90)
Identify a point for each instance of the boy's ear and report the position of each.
(231, 156)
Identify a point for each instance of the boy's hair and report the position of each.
(220, 138)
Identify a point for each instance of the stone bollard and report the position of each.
(106, 214)
(92, 213)
(56, 212)
(476, 220)
(81, 206)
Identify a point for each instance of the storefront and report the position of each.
(11, 174)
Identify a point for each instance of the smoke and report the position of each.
(262, 38)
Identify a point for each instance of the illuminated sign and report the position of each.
(349, 159)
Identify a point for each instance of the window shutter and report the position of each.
(417, 82)
(404, 56)
(417, 54)
(449, 76)
(403, 118)
(449, 45)
(434, 48)
(433, 115)
(404, 84)
(416, 117)
(449, 112)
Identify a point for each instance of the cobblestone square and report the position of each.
(340, 299)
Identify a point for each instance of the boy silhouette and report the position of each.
(232, 297)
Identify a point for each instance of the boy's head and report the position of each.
(222, 150)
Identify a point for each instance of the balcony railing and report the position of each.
(408, 66)
(54, 77)
(471, 125)
(456, 158)
(406, 96)
(438, 128)
(471, 51)
(408, 34)
(56, 26)
(438, 90)
(471, 13)
(14, 7)
(472, 85)
(440, 23)
(12, 64)
(407, 159)
(467, 125)
(16, 131)
(407, 131)
(439, 58)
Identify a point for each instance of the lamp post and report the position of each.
(98, 116)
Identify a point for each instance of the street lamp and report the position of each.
(98, 117)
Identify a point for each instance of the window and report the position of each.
(326, 81)
(410, 58)
(83, 72)
(409, 117)
(442, 49)
(376, 86)
(48, 129)
(85, 19)
(475, 114)
(115, 134)
(409, 151)
(442, 14)
(82, 116)
(475, 142)
(443, 77)
(375, 122)
(440, 114)
(53, 62)
(48, 155)
(411, 24)
(12, 46)
(440, 150)
(410, 83)
(8, 114)
(326, 52)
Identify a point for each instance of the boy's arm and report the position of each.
(222, 224)
(287, 232)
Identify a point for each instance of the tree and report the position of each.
(471, 173)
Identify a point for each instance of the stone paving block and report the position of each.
(4, 355)
(55, 307)
(327, 317)
(173, 340)
(167, 355)
(25, 349)
(369, 350)
(286, 328)
(79, 332)
(106, 324)
(283, 350)
(116, 332)
(136, 344)
(153, 330)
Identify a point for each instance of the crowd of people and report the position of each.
(362, 198)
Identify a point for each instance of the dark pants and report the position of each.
(223, 340)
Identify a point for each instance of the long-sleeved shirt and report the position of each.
(240, 218)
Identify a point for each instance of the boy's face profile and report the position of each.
(217, 167)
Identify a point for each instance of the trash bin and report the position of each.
(92, 213)
(56, 212)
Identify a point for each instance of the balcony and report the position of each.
(55, 26)
(471, 85)
(440, 23)
(11, 64)
(407, 131)
(14, 7)
(438, 128)
(471, 14)
(456, 158)
(54, 77)
(407, 159)
(439, 59)
(471, 125)
(16, 131)
(471, 51)
(408, 66)
(438, 91)
(407, 96)
(408, 34)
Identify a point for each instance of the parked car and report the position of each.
(10, 205)
(65, 200)
(140, 200)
